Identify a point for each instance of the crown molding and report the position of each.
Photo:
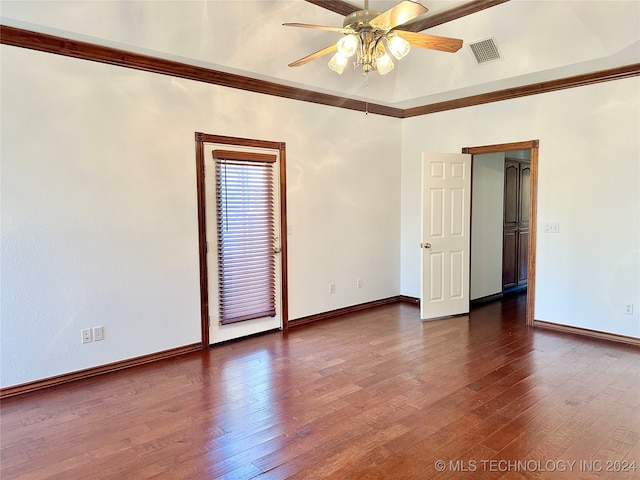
(591, 78)
(97, 53)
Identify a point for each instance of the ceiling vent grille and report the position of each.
(485, 51)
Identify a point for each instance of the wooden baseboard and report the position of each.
(406, 299)
(244, 337)
(91, 372)
(517, 290)
(488, 299)
(585, 332)
(342, 311)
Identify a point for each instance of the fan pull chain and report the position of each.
(366, 94)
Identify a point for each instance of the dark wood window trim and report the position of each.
(244, 156)
(202, 139)
(97, 53)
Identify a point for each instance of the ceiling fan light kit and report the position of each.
(367, 31)
(370, 52)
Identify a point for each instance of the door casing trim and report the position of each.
(202, 139)
(532, 146)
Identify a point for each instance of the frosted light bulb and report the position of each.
(398, 46)
(348, 45)
(338, 62)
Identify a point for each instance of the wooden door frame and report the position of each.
(532, 146)
(201, 140)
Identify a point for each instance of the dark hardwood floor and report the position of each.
(375, 394)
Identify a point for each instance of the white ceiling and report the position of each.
(539, 40)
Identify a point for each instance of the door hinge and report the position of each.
(209, 318)
(207, 247)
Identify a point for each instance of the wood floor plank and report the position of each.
(374, 394)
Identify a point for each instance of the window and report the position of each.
(246, 235)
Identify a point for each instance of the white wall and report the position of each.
(487, 225)
(589, 182)
(99, 220)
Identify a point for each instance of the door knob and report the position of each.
(425, 245)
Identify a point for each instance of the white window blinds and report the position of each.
(245, 226)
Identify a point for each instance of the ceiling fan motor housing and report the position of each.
(369, 36)
(359, 19)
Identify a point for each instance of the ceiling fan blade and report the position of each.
(318, 27)
(433, 42)
(401, 13)
(450, 14)
(313, 56)
(337, 6)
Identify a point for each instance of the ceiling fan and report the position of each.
(364, 32)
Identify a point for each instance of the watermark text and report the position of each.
(494, 465)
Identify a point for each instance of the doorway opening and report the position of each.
(516, 235)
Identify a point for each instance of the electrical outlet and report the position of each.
(628, 308)
(551, 227)
(359, 283)
(87, 337)
(98, 333)
(332, 288)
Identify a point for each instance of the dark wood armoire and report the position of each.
(515, 242)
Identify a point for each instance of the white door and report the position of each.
(445, 243)
(219, 331)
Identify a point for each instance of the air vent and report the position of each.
(485, 51)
